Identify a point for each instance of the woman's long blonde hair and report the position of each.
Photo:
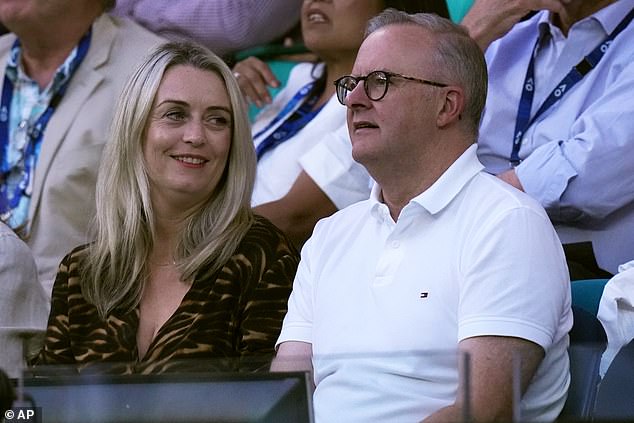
(114, 268)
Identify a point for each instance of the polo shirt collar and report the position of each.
(446, 188)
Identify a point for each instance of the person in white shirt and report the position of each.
(616, 313)
(442, 260)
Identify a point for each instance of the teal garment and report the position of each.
(458, 8)
(281, 69)
(586, 294)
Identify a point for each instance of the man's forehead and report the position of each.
(393, 47)
(408, 34)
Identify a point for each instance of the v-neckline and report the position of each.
(173, 316)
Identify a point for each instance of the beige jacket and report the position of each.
(23, 303)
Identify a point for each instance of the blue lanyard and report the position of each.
(299, 117)
(10, 200)
(576, 74)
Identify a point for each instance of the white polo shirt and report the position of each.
(385, 304)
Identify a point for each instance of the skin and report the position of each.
(408, 167)
(293, 356)
(190, 118)
(188, 138)
(381, 133)
(48, 31)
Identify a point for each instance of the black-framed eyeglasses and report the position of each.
(375, 84)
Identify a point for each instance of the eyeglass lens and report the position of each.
(375, 86)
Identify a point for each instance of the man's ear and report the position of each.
(451, 106)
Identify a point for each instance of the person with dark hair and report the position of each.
(303, 169)
(180, 267)
(63, 65)
(445, 296)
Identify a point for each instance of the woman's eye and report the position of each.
(219, 121)
(175, 115)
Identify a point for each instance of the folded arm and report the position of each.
(587, 175)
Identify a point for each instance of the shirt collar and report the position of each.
(612, 15)
(608, 17)
(15, 71)
(446, 188)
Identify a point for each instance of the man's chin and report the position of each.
(362, 155)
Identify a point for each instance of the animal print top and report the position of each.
(237, 313)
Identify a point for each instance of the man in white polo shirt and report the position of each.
(443, 259)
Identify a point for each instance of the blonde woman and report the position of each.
(180, 267)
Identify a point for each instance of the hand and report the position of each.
(488, 20)
(510, 177)
(254, 77)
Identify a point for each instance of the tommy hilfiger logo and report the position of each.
(424, 294)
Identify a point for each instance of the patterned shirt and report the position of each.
(237, 313)
(28, 102)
